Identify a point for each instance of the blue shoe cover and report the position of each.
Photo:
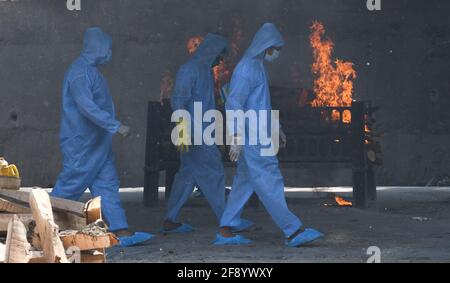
(308, 236)
(137, 238)
(184, 228)
(236, 240)
(245, 224)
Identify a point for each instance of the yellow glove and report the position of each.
(13, 171)
(184, 140)
(8, 170)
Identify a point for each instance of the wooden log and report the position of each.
(65, 221)
(58, 204)
(9, 183)
(48, 230)
(93, 210)
(87, 242)
(37, 257)
(17, 249)
(2, 252)
(12, 207)
(95, 256)
(5, 218)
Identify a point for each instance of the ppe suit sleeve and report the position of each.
(241, 88)
(182, 93)
(84, 99)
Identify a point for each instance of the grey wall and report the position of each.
(401, 54)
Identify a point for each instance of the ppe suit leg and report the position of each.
(269, 186)
(71, 183)
(241, 191)
(206, 166)
(182, 187)
(106, 185)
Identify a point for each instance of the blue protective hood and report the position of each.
(266, 37)
(97, 46)
(211, 47)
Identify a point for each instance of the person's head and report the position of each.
(267, 43)
(272, 53)
(212, 50)
(97, 46)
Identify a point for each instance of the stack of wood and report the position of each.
(44, 229)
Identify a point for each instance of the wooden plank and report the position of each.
(33, 236)
(96, 256)
(2, 252)
(58, 204)
(5, 218)
(48, 230)
(37, 257)
(65, 221)
(10, 183)
(93, 210)
(87, 242)
(12, 207)
(17, 249)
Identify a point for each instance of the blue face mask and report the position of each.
(273, 57)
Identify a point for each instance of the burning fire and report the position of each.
(333, 85)
(342, 202)
(193, 43)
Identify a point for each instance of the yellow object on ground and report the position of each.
(184, 139)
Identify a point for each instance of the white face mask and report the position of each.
(273, 57)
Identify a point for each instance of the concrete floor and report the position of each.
(349, 231)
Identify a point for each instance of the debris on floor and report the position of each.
(439, 181)
(421, 219)
(40, 228)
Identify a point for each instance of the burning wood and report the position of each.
(333, 85)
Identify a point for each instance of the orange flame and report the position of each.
(333, 85)
(193, 43)
(342, 202)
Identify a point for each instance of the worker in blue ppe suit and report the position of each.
(87, 127)
(200, 165)
(255, 172)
